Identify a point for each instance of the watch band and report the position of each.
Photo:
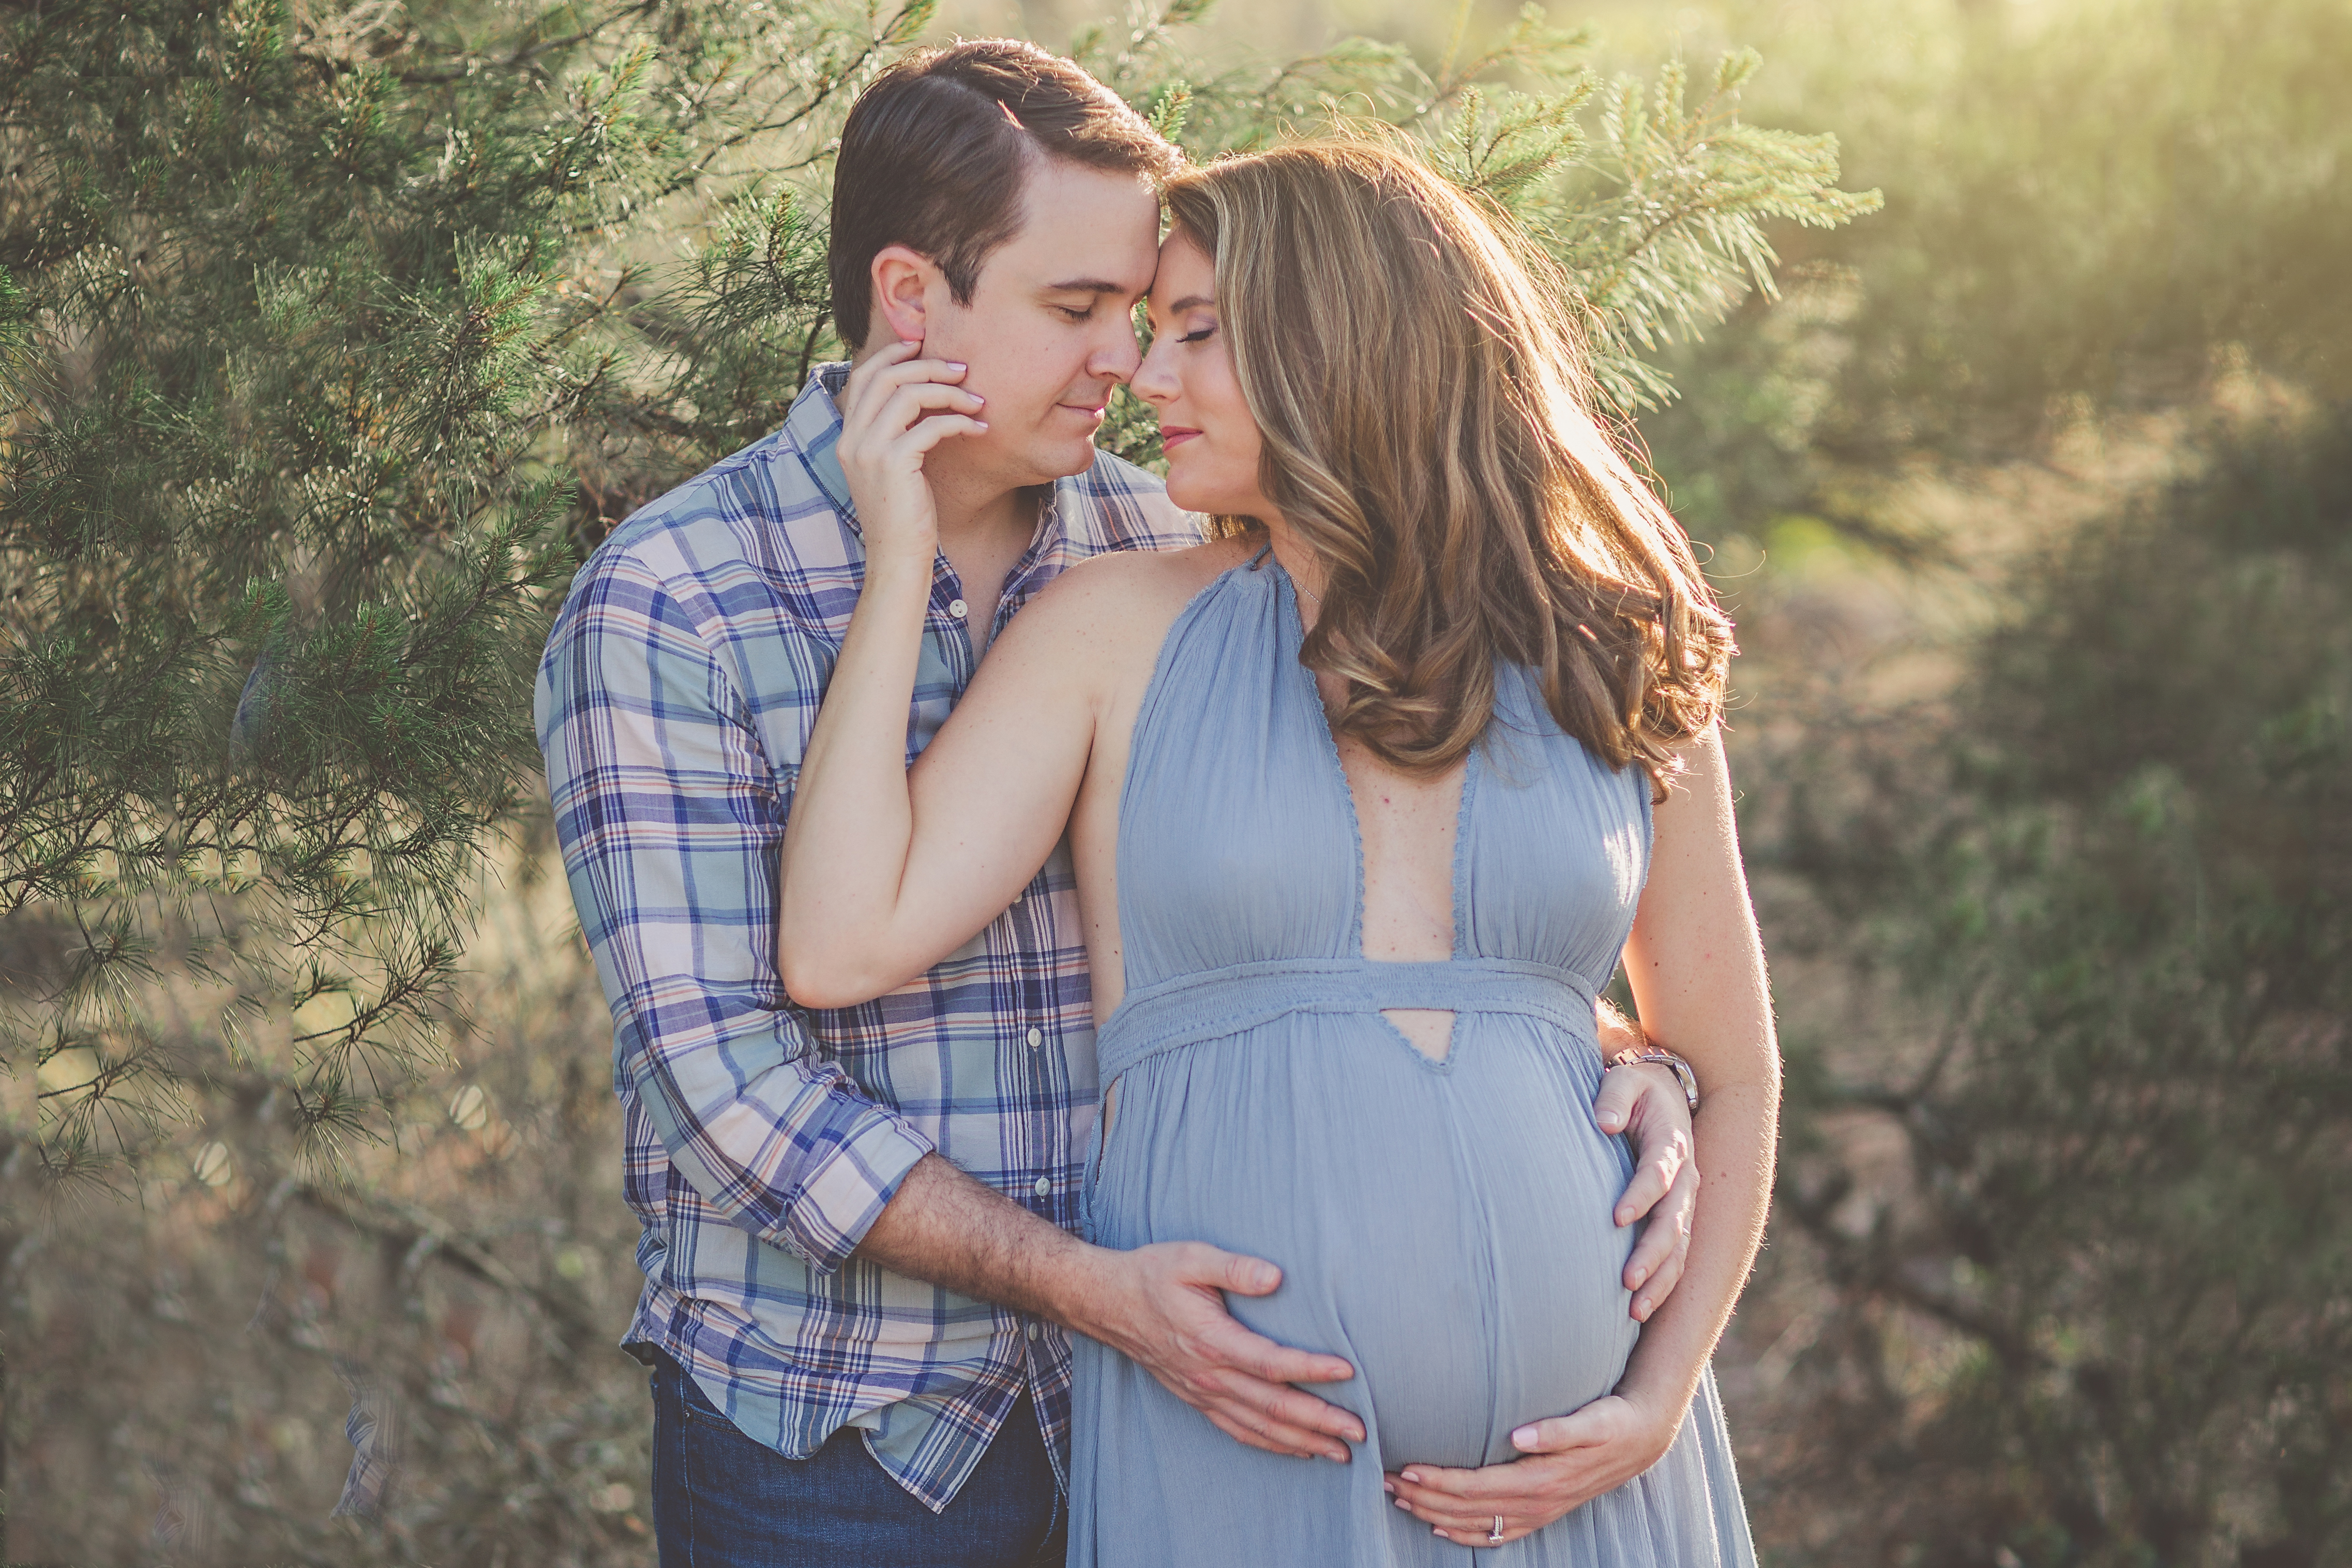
(1664, 1059)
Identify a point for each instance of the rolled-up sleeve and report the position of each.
(669, 813)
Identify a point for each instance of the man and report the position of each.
(857, 1248)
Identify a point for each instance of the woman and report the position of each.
(1365, 799)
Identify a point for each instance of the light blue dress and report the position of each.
(1444, 1226)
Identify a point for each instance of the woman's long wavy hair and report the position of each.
(1411, 363)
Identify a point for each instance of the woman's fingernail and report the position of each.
(1402, 1504)
(1412, 1476)
(1388, 1486)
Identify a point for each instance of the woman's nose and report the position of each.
(1153, 382)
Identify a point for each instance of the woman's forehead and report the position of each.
(1184, 276)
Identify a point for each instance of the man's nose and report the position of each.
(1117, 356)
(1149, 380)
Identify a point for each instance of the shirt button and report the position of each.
(1035, 1330)
(1036, 1037)
(1041, 1186)
(958, 608)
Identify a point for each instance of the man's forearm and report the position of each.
(945, 1228)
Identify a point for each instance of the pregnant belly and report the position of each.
(1447, 1228)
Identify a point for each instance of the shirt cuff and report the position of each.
(866, 1153)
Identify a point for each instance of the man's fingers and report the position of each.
(1612, 1108)
(1275, 1437)
(1289, 1406)
(1652, 1180)
(1656, 1264)
(1223, 1270)
(1261, 1358)
(1663, 1156)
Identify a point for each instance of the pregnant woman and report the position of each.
(1366, 800)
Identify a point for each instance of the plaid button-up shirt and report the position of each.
(762, 1139)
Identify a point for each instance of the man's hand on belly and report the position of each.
(1570, 1459)
(1646, 1103)
(1163, 1307)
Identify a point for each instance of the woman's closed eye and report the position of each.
(1199, 334)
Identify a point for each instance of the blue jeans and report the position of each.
(722, 1500)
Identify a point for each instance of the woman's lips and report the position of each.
(1174, 435)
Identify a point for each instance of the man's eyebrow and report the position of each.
(1088, 286)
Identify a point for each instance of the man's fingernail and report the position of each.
(1525, 1437)
(1642, 1308)
(1641, 1277)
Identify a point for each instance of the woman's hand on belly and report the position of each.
(1570, 1459)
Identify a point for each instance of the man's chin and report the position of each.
(1062, 459)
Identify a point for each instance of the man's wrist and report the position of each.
(1648, 1055)
(1075, 1284)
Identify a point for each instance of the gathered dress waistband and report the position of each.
(1213, 1003)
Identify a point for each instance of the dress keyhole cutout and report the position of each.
(1408, 827)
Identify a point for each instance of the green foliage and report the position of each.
(303, 319)
(332, 336)
(1658, 221)
(2089, 204)
(2104, 896)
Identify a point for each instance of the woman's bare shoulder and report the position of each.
(1129, 595)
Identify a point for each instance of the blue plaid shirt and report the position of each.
(762, 1139)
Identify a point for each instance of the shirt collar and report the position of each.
(814, 428)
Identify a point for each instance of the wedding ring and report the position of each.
(1494, 1536)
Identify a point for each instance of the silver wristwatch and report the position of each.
(1664, 1059)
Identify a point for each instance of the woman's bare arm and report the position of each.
(1696, 965)
(886, 871)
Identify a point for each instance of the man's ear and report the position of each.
(902, 280)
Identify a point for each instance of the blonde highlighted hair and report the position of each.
(1429, 436)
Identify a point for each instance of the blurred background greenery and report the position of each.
(2031, 493)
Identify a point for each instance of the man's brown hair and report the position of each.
(934, 155)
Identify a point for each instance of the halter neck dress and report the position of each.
(1444, 1226)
